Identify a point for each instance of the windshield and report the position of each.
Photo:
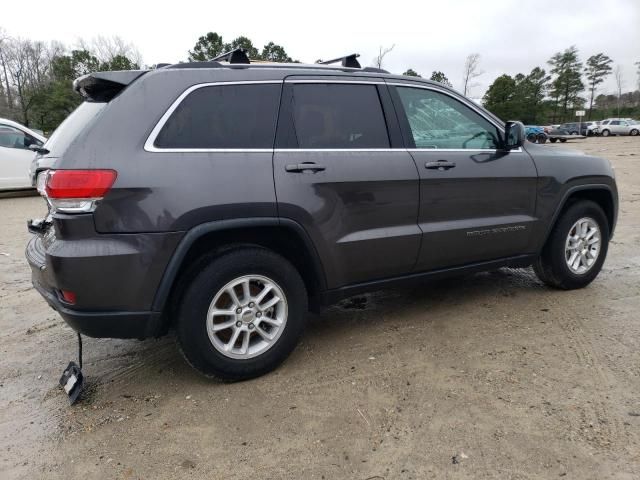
(73, 126)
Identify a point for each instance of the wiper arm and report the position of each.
(37, 149)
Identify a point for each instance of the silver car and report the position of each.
(619, 126)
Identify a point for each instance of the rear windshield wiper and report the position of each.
(38, 149)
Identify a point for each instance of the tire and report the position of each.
(542, 138)
(552, 265)
(553, 140)
(634, 132)
(204, 349)
(532, 137)
(563, 140)
(605, 133)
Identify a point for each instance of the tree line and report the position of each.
(542, 97)
(36, 79)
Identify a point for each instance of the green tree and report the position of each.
(500, 96)
(119, 62)
(274, 53)
(438, 76)
(567, 83)
(533, 90)
(244, 43)
(598, 67)
(411, 73)
(207, 47)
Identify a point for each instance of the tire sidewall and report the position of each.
(557, 245)
(191, 326)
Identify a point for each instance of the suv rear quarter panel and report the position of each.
(162, 191)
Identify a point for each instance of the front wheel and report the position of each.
(242, 314)
(576, 249)
(606, 133)
(634, 132)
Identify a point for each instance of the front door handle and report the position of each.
(440, 165)
(303, 167)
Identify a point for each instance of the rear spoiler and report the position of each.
(103, 86)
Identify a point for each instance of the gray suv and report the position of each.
(225, 199)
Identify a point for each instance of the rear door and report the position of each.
(477, 203)
(341, 171)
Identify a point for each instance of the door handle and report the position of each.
(302, 167)
(440, 165)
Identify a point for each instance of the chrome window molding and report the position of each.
(149, 145)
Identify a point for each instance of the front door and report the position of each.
(341, 171)
(477, 203)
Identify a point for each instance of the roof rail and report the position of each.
(238, 55)
(346, 61)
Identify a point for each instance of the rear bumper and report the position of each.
(104, 324)
(114, 279)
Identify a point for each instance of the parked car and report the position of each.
(556, 134)
(16, 155)
(619, 126)
(225, 202)
(577, 128)
(592, 128)
(535, 134)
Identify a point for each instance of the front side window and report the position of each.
(439, 121)
(337, 116)
(223, 116)
(11, 137)
(615, 122)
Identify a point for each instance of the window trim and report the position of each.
(149, 144)
(384, 110)
(150, 147)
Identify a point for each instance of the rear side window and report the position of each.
(332, 116)
(223, 116)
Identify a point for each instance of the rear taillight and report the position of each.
(75, 191)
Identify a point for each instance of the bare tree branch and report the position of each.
(471, 71)
(382, 52)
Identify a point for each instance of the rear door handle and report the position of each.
(303, 167)
(440, 165)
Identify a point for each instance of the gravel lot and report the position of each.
(486, 376)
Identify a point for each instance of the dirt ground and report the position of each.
(486, 376)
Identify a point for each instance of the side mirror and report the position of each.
(514, 135)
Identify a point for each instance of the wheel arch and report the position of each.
(283, 236)
(602, 194)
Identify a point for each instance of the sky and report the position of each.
(511, 36)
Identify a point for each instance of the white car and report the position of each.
(15, 154)
(619, 126)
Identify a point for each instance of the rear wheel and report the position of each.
(553, 140)
(605, 133)
(242, 315)
(634, 132)
(563, 140)
(542, 138)
(576, 248)
(532, 137)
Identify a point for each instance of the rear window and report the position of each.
(223, 116)
(331, 116)
(72, 126)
